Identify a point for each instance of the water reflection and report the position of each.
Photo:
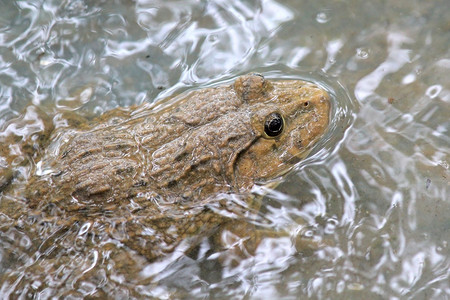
(366, 215)
(397, 58)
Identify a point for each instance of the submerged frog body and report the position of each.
(157, 170)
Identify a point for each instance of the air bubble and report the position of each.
(322, 18)
(433, 91)
(84, 228)
(362, 53)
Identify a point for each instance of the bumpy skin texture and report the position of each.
(209, 141)
(156, 168)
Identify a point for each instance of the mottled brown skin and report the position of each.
(162, 168)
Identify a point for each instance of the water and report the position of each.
(374, 196)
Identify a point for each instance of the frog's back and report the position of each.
(162, 153)
(205, 142)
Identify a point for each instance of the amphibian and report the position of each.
(156, 170)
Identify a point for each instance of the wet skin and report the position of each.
(160, 170)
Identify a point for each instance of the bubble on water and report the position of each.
(331, 226)
(84, 228)
(308, 233)
(408, 118)
(322, 18)
(25, 242)
(433, 91)
(362, 53)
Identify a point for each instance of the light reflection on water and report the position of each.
(372, 199)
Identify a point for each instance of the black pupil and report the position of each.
(274, 124)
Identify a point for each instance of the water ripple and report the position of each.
(364, 216)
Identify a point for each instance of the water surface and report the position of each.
(374, 195)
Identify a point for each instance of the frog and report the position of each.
(154, 175)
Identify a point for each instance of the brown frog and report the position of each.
(160, 171)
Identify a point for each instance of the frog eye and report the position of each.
(273, 125)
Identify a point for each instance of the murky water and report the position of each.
(373, 198)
